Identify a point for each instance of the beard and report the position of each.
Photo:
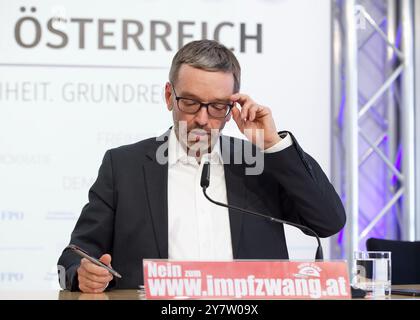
(196, 140)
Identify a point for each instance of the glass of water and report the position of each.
(372, 273)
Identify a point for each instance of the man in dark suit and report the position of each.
(147, 201)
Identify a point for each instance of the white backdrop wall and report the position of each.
(71, 88)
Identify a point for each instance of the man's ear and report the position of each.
(168, 96)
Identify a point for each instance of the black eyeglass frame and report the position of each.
(202, 105)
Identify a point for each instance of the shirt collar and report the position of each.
(176, 153)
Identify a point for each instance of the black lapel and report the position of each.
(156, 181)
(235, 188)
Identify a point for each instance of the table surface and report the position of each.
(124, 295)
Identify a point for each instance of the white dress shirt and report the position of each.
(197, 228)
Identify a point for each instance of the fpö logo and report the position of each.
(56, 30)
(11, 277)
(306, 270)
(9, 215)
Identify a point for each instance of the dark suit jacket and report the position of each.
(127, 213)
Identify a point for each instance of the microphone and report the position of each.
(205, 182)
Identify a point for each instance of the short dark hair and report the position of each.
(208, 55)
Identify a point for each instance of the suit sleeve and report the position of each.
(306, 196)
(94, 229)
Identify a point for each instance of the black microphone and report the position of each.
(205, 182)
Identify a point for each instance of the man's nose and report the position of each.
(202, 116)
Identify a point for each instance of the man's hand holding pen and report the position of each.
(93, 278)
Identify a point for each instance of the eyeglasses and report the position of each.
(191, 106)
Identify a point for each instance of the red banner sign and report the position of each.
(165, 279)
